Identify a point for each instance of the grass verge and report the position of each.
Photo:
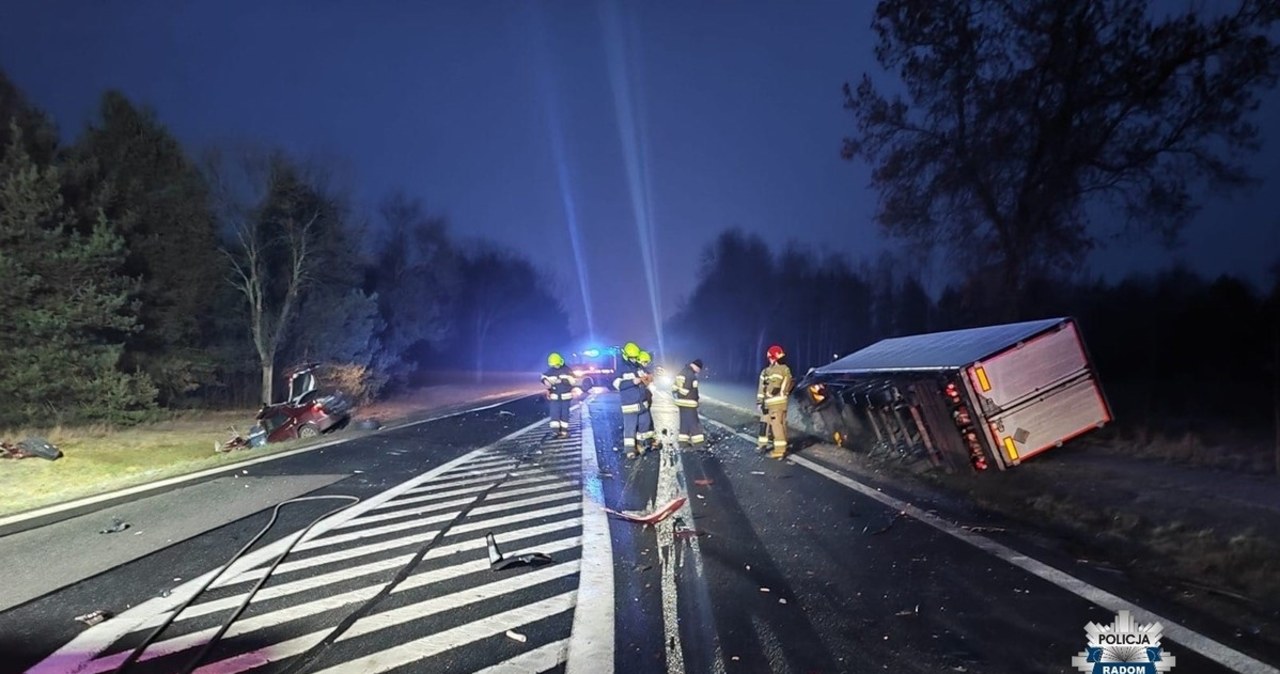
(100, 459)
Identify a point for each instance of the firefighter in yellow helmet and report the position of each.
(646, 437)
(771, 396)
(684, 391)
(561, 386)
(630, 394)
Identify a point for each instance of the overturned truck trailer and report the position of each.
(995, 395)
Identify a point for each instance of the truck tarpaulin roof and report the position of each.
(936, 352)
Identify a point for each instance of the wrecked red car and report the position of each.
(306, 413)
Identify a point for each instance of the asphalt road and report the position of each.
(768, 566)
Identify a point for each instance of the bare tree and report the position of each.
(272, 218)
(1017, 116)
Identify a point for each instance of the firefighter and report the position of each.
(685, 392)
(561, 387)
(631, 396)
(771, 395)
(646, 437)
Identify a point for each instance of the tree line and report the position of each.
(1168, 346)
(136, 275)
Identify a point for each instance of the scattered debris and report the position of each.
(983, 530)
(368, 424)
(888, 526)
(764, 589)
(652, 518)
(516, 636)
(357, 471)
(117, 525)
(701, 496)
(704, 482)
(31, 447)
(909, 612)
(506, 413)
(500, 562)
(605, 475)
(641, 568)
(781, 600)
(94, 618)
(757, 472)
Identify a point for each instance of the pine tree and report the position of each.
(67, 307)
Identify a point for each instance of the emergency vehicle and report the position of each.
(595, 366)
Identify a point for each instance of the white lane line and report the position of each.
(429, 521)
(462, 635)
(464, 491)
(552, 497)
(371, 532)
(433, 553)
(671, 484)
(298, 611)
(439, 485)
(1214, 650)
(386, 515)
(326, 558)
(452, 637)
(494, 523)
(468, 471)
(537, 660)
(591, 647)
(526, 486)
(89, 643)
(235, 465)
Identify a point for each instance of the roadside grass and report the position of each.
(1225, 450)
(98, 459)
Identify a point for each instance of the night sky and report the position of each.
(501, 114)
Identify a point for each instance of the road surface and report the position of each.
(793, 566)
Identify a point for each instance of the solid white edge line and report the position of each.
(591, 641)
(1214, 650)
(87, 645)
(236, 465)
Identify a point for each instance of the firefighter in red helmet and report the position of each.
(771, 396)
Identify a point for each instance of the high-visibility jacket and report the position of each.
(685, 388)
(560, 382)
(627, 383)
(775, 386)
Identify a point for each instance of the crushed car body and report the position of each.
(307, 412)
(981, 397)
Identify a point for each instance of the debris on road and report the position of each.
(704, 482)
(781, 600)
(652, 518)
(983, 530)
(516, 636)
(757, 472)
(500, 562)
(909, 612)
(117, 525)
(506, 413)
(94, 618)
(888, 526)
(764, 589)
(368, 424)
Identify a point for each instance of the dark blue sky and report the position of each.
(731, 116)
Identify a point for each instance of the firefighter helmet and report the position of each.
(645, 358)
(631, 350)
(775, 353)
(555, 360)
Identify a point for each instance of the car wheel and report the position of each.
(308, 431)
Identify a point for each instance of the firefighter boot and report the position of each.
(762, 438)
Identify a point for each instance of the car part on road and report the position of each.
(368, 424)
(94, 617)
(652, 518)
(500, 562)
(117, 525)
